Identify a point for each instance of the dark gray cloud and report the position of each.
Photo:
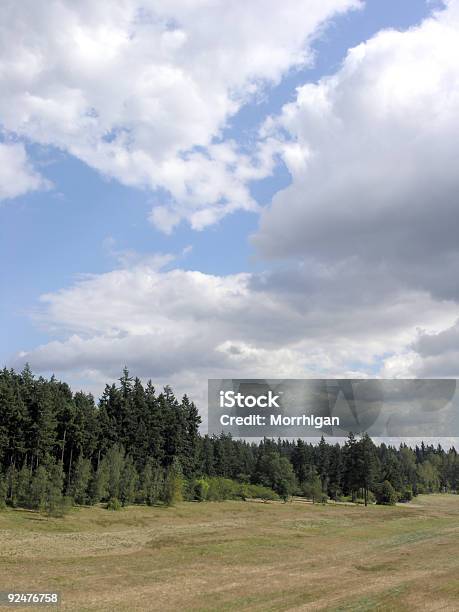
(374, 174)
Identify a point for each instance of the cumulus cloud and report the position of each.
(431, 355)
(373, 153)
(184, 327)
(141, 90)
(17, 175)
(368, 225)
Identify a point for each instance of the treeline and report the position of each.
(139, 446)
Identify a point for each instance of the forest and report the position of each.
(140, 446)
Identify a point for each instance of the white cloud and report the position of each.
(184, 327)
(141, 90)
(17, 175)
(433, 354)
(371, 216)
(373, 151)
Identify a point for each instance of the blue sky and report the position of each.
(88, 213)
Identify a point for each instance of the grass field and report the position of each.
(240, 556)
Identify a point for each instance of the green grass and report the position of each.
(240, 556)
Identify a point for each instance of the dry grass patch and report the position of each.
(240, 556)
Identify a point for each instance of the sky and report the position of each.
(203, 189)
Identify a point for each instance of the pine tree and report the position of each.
(128, 482)
(189, 450)
(22, 489)
(352, 475)
(39, 489)
(367, 464)
(80, 481)
(312, 486)
(323, 463)
(114, 460)
(173, 485)
(152, 482)
(54, 503)
(98, 485)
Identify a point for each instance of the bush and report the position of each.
(222, 488)
(218, 488)
(200, 489)
(60, 507)
(385, 494)
(260, 492)
(406, 495)
(114, 504)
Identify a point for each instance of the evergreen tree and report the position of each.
(351, 476)
(386, 494)
(114, 460)
(22, 487)
(98, 485)
(128, 482)
(173, 485)
(367, 465)
(152, 482)
(54, 502)
(312, 486)
(39, 488)
(323, 463)
(80, 482)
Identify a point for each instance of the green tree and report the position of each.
(128, 482)
(367, 464)
(80, 482)
(114, 460)
(55, 503)
(312, 487)
(428, 477)
(385, 494)
(173, 485)
(22, 487)
(39, 488)
(98, 485)
(152, 482)
(352, 472)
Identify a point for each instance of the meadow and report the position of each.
(237, 555)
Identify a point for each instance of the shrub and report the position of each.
(406, 495)
(114, 504)
(385, 494)
(222, 488)
(260, 492)
(201, 489)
